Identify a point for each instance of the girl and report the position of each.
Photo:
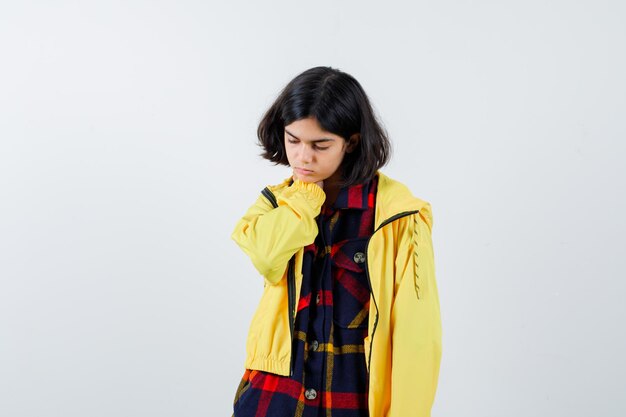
(348, 324)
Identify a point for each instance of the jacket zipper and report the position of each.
(291, 281)
(367, 273)
(291, 292)
(291, 284)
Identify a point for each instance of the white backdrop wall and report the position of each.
(127, 154)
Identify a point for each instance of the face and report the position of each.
(313, 153)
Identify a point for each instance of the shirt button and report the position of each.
(310, 394)
(314, 345)
(359, 257)
(317, 298)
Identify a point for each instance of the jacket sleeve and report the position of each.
(416, 327)
(270, 236)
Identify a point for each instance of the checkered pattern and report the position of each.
(330, 377)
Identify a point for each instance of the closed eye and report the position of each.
(321, 148)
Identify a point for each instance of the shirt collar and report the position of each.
(353, 197)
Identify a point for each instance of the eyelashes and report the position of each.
(314, 146)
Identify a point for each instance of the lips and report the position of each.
(303, 171)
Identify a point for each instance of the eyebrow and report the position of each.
(315, 140)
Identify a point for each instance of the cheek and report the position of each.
(337, 158)
(288, 150)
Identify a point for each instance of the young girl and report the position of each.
(348, 324)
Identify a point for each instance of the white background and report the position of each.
(127, 155)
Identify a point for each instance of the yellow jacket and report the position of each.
(403, 346)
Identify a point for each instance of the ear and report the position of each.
(353, 142)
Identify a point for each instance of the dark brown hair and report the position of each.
(340, 105)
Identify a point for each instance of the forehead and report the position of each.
(309, 130)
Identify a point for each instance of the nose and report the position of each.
(306, 154)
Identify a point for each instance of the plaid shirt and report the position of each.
(330, 377)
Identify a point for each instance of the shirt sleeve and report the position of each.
(416, 328)
(271, 235)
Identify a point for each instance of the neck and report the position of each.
(332, 187)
